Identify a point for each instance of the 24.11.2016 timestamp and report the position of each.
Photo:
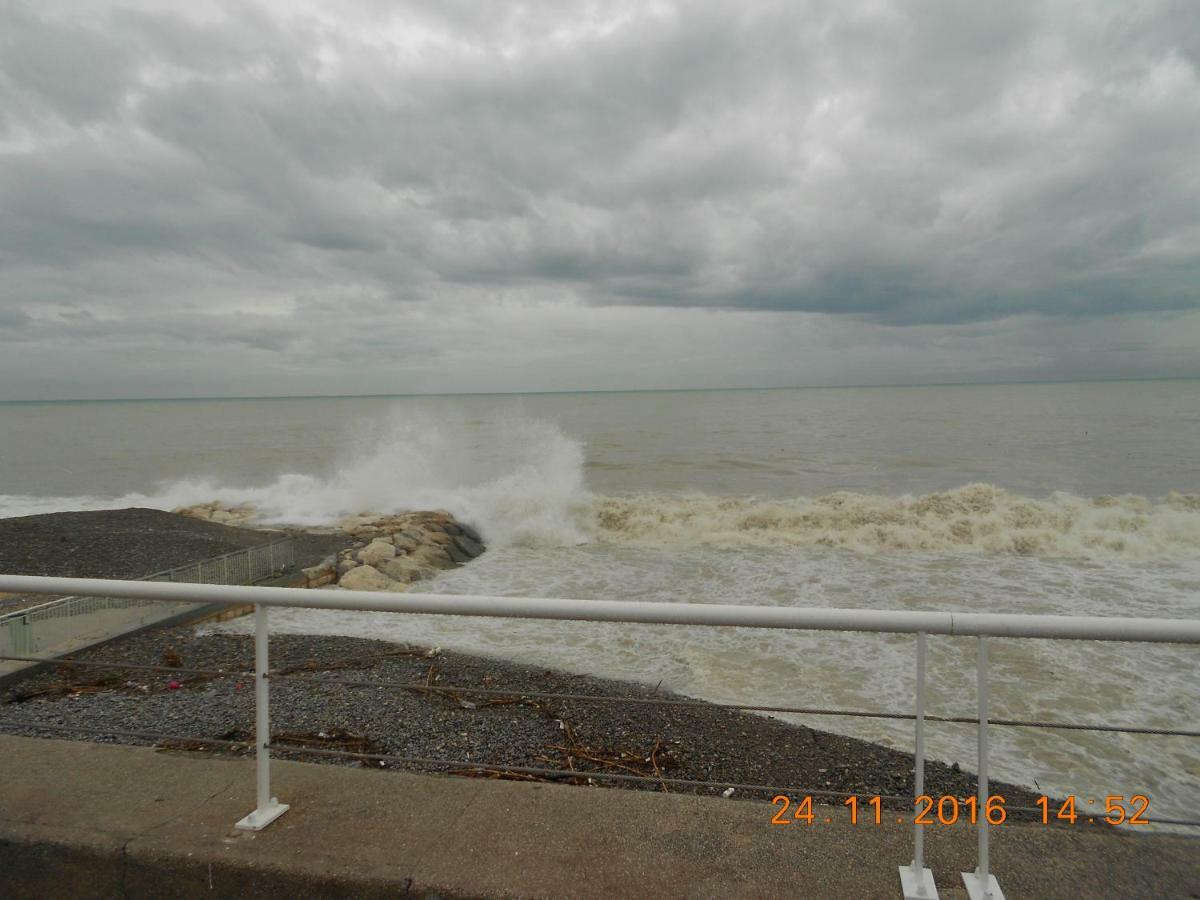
(950, 810)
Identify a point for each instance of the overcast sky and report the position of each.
(458, 195)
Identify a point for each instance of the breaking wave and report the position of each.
(978, 518)
(522, 482)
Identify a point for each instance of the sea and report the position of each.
(1065, 498)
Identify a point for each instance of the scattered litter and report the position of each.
(173, 685)
(727, 793)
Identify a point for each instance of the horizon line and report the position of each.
(801, 387)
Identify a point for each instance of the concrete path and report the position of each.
(92, 820)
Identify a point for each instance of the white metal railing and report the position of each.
(916, 879)
(71, 623)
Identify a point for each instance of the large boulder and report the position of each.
(456, 553)
(323, 573)
(416, 535)
(365, 578)
(405, 544)
(432, 555)
(376, 552)
(406, 570)
(471, 547)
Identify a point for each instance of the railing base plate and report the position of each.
(917, 884)
(975, 887)
(261, 818)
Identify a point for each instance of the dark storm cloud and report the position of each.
(429, 163)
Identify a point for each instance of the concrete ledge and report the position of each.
(94, 820)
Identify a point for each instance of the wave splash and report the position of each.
(518, 482)
(973, 518)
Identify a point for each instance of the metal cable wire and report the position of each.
(134, 666)
(142, 735)
(500, 768)
(704, 704)
(648, 701)
(568, 773)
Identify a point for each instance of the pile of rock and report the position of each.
(395, 550)
(218, 511)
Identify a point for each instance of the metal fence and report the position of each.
(916, 879)
(72, 623)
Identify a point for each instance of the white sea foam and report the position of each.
(974, 518)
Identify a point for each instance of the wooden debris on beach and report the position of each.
(572, 754)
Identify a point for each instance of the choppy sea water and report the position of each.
(1077, 499)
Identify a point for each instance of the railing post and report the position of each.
(268, 808)
(916, 881)
(981, 884)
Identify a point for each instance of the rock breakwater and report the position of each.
(393, 551)
(390, 552)
(220, 512)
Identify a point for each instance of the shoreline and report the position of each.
(511, 729)
(313, 706)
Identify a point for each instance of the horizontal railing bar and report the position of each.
(500, 767)
(1178, 631)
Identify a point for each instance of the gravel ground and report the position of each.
(130, 543)
(701, 742)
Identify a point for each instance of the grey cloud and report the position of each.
(13, 319)
(882, 164)
(71, 69)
